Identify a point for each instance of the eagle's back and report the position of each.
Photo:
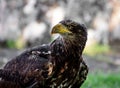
(33, 65)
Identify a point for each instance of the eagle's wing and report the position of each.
(7, 84)
(32, 65)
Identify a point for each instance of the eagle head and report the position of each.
(68, 28)
(75, 34)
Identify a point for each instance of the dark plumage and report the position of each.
(55, 65)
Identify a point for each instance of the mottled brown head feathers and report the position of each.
(75, 27)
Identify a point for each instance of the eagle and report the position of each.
(58, 64)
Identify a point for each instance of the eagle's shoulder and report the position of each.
(38, 54)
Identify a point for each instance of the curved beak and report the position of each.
(60, 28)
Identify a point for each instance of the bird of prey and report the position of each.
(58, 64)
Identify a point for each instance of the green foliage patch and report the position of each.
(101, 80)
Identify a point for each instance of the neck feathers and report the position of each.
(75, 44)
(68, 47)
